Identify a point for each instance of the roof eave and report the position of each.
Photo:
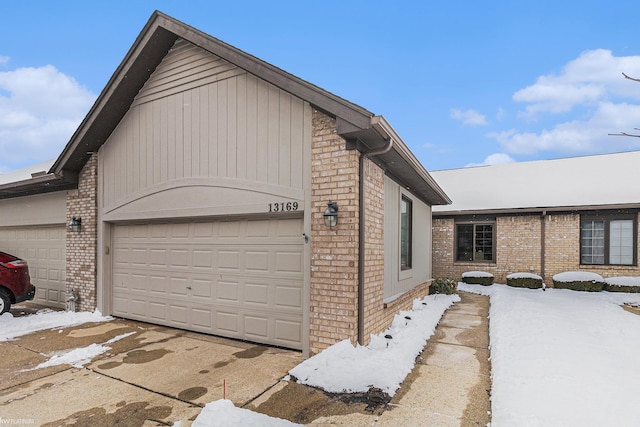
(536, 210)
(148, 50)
(38, 185)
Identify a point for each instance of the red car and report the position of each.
(15, 282)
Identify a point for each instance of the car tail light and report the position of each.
(16, 263)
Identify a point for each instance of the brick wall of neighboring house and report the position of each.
(334, 252)
(563, 250)
(562, 244)
(442, 264)
(519, 248)
(82, 246)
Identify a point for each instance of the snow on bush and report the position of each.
(525, 280)
(476, 274)
(622, 284)
(524, 276)
(578, 281)
(577, 276)
(477, 278)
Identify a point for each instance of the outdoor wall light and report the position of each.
(75, 224)
(331, 214)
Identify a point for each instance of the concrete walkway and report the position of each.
(450, 384)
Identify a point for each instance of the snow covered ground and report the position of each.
(559, 358)
(385, 362)
(562, 358)
(12, 327)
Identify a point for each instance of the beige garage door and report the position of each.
(44, 249)
(240, 278)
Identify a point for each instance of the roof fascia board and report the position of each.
(538, 210)
(107, 92)
(316, 96)
(309, 92)
(384, 128)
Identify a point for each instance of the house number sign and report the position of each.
(283, 206)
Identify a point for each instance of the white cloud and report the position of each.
(469, 117)
(594, 97)
(579, 136)
(4, 59)
(494, 159)
(40, 108)
(593, 77)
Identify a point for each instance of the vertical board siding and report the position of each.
(200, 116)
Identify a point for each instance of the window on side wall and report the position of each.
(406, 244)
(608, 239)
(475, 241)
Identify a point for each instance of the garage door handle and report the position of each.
(189, 287)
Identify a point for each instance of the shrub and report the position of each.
(477, 278)
(524, 280)
(578, 281)
(444, 286)
(622, 284)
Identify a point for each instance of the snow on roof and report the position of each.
(607, 179)
(25, 173)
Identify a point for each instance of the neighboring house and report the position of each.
(200, 179)
(543, 217)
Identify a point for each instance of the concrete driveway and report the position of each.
(161, 375)
(155, 376)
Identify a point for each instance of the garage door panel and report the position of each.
(44, 249)
(227, 291)
(256, 327)
(288, 297)
(256, 294)
(233, 278)
(227, 322)
(288, 331)
(288, 262)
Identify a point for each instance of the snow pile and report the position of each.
(223, 413)
(577, 276)
(524, 276)
(562, 358)
(12, 327)
(385, 362)
(622, 281)
(79, 357)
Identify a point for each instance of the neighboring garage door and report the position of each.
(241, 278)
(44, 249)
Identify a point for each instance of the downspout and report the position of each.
(543, 238)
(361, 235)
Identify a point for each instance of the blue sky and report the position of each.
(463, 83)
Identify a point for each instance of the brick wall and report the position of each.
(519, 248)
(334, 252)
(82, 246)
(562, 244)
(374, 318)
